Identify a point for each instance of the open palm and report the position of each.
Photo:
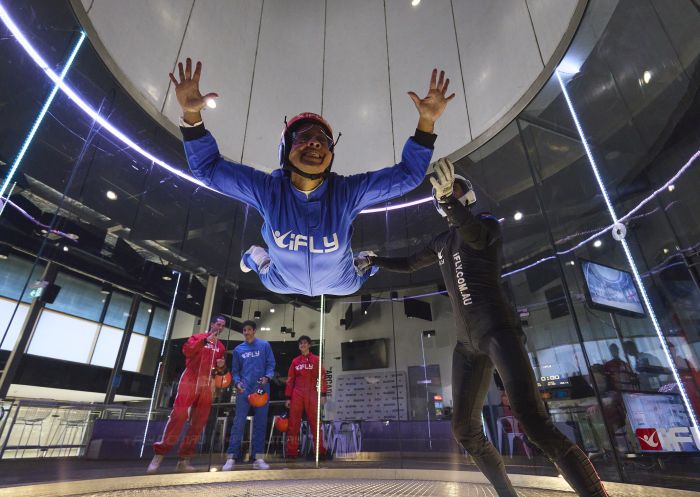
(432, 106)
(187, 89)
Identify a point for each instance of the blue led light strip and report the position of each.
(628, 254)
(42, 113)
(85, 107)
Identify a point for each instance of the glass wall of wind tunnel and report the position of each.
(88, 205)
(634, 106)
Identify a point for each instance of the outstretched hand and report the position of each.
(432, 106)
(187, 89)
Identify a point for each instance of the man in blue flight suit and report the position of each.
(307, 210)
(252, 368)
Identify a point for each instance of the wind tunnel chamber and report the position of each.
(109, 263)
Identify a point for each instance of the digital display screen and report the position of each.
(365, 354)
(554, 380)
(660, 422)
(610, 289)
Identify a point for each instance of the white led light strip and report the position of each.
(40, 117)
(628, 254)
(85, 107)
(70, 93)
(160, 363)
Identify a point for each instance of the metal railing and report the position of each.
(35, 428)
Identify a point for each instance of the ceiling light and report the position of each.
(272, 310)
(365, 313)
(111, 195)
(518, 216)
(597, 244)
(256, 315)
(572, 263)
(671, 187)
(211, 103)
(4, 251)
(65, 248)
(646, 77)
(150, 310)
(415, 3)
(165, 277)
(665, 251)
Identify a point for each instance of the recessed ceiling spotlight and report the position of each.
(665, 251)
(671, 187)
(65, 248)
(572, 263)
(646, 77)
(111, 195)
(165, 277)
(597, 244)
(415, 3)
(211, 103)
(518, 216)
(272, 310)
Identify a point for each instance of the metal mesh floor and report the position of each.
(326, 488)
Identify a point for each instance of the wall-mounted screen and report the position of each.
(365, 354)
(610, 289)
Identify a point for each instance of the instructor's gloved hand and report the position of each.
(443, 180)
(364, 261)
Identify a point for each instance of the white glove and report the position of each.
(363, 261)
(443, 180)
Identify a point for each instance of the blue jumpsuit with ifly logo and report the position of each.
(251, 361)
(308, 235)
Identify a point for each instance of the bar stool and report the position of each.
(32, 418)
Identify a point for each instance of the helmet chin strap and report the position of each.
(292, 168)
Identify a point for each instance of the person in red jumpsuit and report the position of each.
(302, 395)
(203, 351)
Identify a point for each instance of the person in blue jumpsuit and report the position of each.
(307, 209)
(252, 368)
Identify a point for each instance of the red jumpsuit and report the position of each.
(301, 390)
(194, 391)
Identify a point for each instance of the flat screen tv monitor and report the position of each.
(365, 354)
(610, 289)
(417, 309)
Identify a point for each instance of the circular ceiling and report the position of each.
(352, 61)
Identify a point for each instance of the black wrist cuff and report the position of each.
(189, 134)
(425, 139)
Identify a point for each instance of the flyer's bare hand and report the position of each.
(187, 89)
(431, 107)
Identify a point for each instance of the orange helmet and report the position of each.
(259, 398)
(222, 380)
(282, 423)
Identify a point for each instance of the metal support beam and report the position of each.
(209, 300)
(115, 378)
(17, 354)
